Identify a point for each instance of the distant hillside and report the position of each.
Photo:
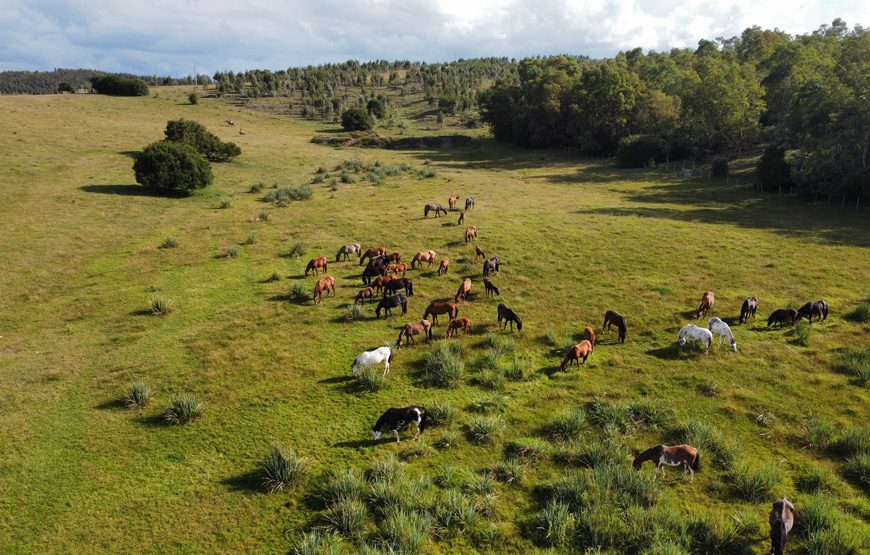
(46, 82)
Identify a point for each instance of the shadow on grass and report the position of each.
(154, 421)
(112, 404)
(249, 482)
(288, 298)
(336, 379)
(141, 312)
(133, 154)
(671, 352)
(360, 443)
(133, 190)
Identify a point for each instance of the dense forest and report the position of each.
(50, 82)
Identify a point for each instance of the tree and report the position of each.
(201, 139)
(356, 119)
(773, 171)
(173, 168)
(119, 86)
(64, 87)
(193, 97)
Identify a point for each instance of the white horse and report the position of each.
(695, 333)
(720, 328)
(371, 358)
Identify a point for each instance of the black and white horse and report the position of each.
(491, 265)
(747, 311)
(387, 304)
(816, 308)
(781, 521)
(396, 419)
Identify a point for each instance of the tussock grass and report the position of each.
(444, 365)
(250, 239)
(161, 306)
(233, 251)
(490, 404)
(440, 413)
(225, 203)
(484, 429)
(802, 331)
(138, 396)
(568, 426)
(818, 432)
(518, 370)
(861, 313)
(298, 292)
(603, 414)
(257, 187)
(754, 483)
(317, 542)
(447, 440)
(354, 313)
(297, 250)
(275, 276)
(707, 438)
(454, 514)
(856, 363)
(169, 242)
(348, 517)
(817, 479)
(371, 379)
(183, 409)
(405, 531)
(510, 471)
(343, 483)
(554, 525)
(282, 468)
(526, 448)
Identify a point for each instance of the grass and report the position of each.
(754, 483)
(169, 242)
(568, 426)
(371, 379)
(281, 469)
(484, 429)
(297, 250)
(161, 306)
(861, 313)
(444, 365)
(182, 410)
(856, 363)
(138, 396)
(802, 331)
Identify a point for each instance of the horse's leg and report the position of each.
(397, 436)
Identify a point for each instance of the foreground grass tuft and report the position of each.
(183, 409)
(161, 306)
(138, 396)
(860, 314)
(484, 429)
(568, 426)
(856, 363)
(281, 469)
(169, 242)
(754, 483)
(371, 379)
(444, 366)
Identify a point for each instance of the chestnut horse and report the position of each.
(433, 207)
(661, 455)
(463, 291)
(781, 520)
(707, 300)
(782, 317)
(423, 256)
(461, 217)
(423, 327)
(326, 284)
(367, 293)
(471, 234)
(445, 263)
(575, 353)
(451, 202)
(458, 324)
(435, 308)
(478, 253)
(371, 253)
(589, 335)
(398, 268)
(314, 264)
(380, 281)
(613, 318)
(508, 315)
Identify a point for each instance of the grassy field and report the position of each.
(576, 237)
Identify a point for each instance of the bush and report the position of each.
(116, 85)
(856, 362)
(638, 151)
(233, 251)
(440, 414)
(554, 524)
(860, 314)
(754, 484)
(193, 98)
(161, 306)
(356, 119)
(276, 276)
(719, 167)
(298, 292)
(250, 239)
(298, 249)
(444, 366)
(568, 426)
(280, 469)
(169, 242)
(802, 331)
(173, 168)
(353, 313)
(772, 171)
(526, 448)
(138, 396)
(205, 142)
(257, 187)
(348, 517)
(371, 379)
(484, 429)
(183, 409)
(225, 203)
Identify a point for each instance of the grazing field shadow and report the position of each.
(551, 371)
(133, 190)
(670, 352)
(336, 379)
(358, 444)
(141, 312)
(248, 481)
(155, 421)
(112, 404)
(130, 153)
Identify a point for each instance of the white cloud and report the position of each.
(169, 36)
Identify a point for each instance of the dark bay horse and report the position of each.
(435, 308)
(613, 318)
(782, 316)
(491, 289)
(375, 267)
(781, 521)
(433, 207)
(509, 316)
(747, 311)
(367, 293)
(397, 284)
(491, 265)
(469, 203)
(678, 455)
(371, 253)
(815, 308)
(387, 304)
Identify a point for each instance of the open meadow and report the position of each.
(536, 457)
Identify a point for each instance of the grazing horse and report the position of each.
(589, 335)
(442, 268)
(662, 456)
(613, 318)
(451, 202)
(471, 234)
(423, 256)
(463, 291)
(693, 332)
(816, 308)
(387, 304)
(314, 264)
(396, 284)
(375, 267)
(326, 284)
(575, 353)
(231, 123)
(371, 358)
(347, 250)
(242, 132)
(435, 308)
(491, 265)
(398, 268)
(469, 203)
(458, 324)
(461, 217)
(720, 328)
(433, 207)
(367, 293)
(491, 290)
(781, 521)
(782, 316)
(396, 419)
(707, 300)
(423, 327)
(371, 253)
(395, 257)
(478, 253)
(508, 315)
(747, 311)
(380, 281)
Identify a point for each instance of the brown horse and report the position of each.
(461, 217)
(433, 207)
(589, 335)
(435, 308)
(367, 293)
(781, 520)
(423, 256)
(451, 202)
(613, 318)
(662, 455)
(326, 284)
(782, 317)
(575, 353)
(379, 282)
(479, 253)
(707, 300)
(395, 257)
(491, 289)
(471, 234)
(506, 314)
(371, 253)
(231, 123)
(423, 327)
(445, 263)
(398, 268)
(458, 324)
(314, 264)
(463, 291)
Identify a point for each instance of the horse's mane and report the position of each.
(381, 421)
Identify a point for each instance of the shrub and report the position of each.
(802, 331)
(205, 142)
(353, 313)
(225, 203)
(169, 242)
(772, 171)
(173, 168)
(554, 524)
(405, 531)
(138, 396)
(356, 119)
(754, 484)
(493, 403)
(637, 151)
(280, 469)
(860, 314)
(371, 379)
(444, 366)
(161, 306)
(440, 414)
(568, 426)
(856, 362)
(233, 251)
(117, 85)
(263, 216)
(447, 440)
(298, 292)
(857, 469)
(719, 167)
(348, 517)
(193, 98)
(316, 542)
(250, 239)
(182, 410)
(484, 429)
(257, 187)
(298, 249)
(526, 448)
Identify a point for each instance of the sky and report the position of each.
(172, 37)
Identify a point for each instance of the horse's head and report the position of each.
(682, 340)
(734, 346)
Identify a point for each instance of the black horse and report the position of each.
(491, 265)
(747, 311)
(395, 285)
(816, 308)
(613, 318)
(387, 304)
(491, 290)
(377, 266)
(396, 419)
(781, 521)
(782, 316)
(509, 316)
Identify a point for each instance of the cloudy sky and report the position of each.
(170, 36)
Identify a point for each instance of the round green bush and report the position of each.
(356, 119)
(174, 168)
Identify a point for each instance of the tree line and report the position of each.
(70, 80)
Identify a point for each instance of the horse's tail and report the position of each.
(424, 417)
(825, 309)
(696, 463)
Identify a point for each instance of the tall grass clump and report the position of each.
(856, 363)
(860, 314)
(440, 413)
(250, 239)
(454, 513)
(500, 344)
(138, 396)
(344, 483)
(802, 331)
(754, 483)
(853, 441)
(567, 426)
(817, 479)
(606, 414)
(443, 365)
(354, 313)
(447, 440)
(649, 412)
(857, 469)
(298, 292)
(492, 379)
(225, 203)
(161, 306)
(554, 525)
(297, 250)
(492, 403)
(707, 438)
(317, 542)
(510, 471)
(818, 432)
(405, 531)
(593, 454)
(183, 409)
(262, 216)
(257, 187)
(711, 533)
(169, 242)
(348, 517)
(233, 251)
(518, 370)
(371, 379)
(274, 277)
(282, 469)
(526, 448)
(484, 429)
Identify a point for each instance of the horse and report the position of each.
(242, 132)
(463, 291)
(781, 521)
(707, 300)
(423, 256)
(231, 123)
(471, 234)
(442, 268)
(575, 353)
(509, 316)
(395, 257)
(435, 308)
(491, 265)
(423, 327)
(816, 308)
(379, 282)
(458, 324)
(371, 253)
(394, 285)
(433, 206)
(662, 456)
(387, 304)
(478, 253)
(781, 316)
(396, 419)
(469, 203)
(491, 290)
(398, 268)
(693, 332)
(589, 335)
(326, 284)
(314, 264)
(613, 318)
(747, 311)
(461, 217)
(371, 358)
(720, 328)
(451, 202)
(367, 293)
(376, 267)
(346, 251)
